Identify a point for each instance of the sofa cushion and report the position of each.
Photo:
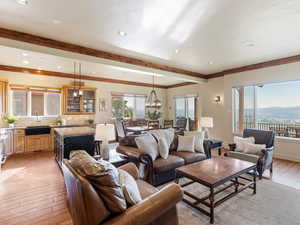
(190, 157)
(243, 156)
(103, 176)
(145, 188)
(172, 162)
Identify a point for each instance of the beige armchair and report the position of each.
(87, 208)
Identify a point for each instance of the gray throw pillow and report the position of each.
(103, 176)
(148, 144)
(130, 188)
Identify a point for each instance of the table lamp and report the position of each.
(105, 133)
(207, 122)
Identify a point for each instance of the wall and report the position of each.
(206, 93)
(285, 148)
(103, 91)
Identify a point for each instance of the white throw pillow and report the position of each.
(168, 134)
(186, 143)
(253, 148)
(129, 187)
(199, 138)
(239, 141)
(148, 144)
(163, 148)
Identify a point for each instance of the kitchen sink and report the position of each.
(37, 130)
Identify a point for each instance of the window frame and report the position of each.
(135, 96)
(29, 103)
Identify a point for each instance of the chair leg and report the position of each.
(271, 169)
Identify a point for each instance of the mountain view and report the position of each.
(277, 114)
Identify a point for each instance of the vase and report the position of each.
(11, 125)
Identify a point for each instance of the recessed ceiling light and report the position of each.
(93, 72)
(25, 62)
(56, 21)
(122, 33)
(25, 54)
(22, 2)
(176, 51)
(249, 43)
(210, 62)
(59, 67)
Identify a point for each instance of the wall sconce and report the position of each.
(217, 99)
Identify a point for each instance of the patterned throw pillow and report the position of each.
(239, 141)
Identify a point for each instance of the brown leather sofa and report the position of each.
(87, 207)
(160, 170)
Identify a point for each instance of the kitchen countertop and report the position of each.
(52, 126)
(74, 131)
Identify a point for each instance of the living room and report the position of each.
(189, 111)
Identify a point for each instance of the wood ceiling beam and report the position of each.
(46, 42)
(180, 84)
(275, 62)
(71, 76)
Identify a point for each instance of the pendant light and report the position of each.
(80, 92)
(74, 83)
(152, 100)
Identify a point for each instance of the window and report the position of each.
(128, 106)
(19, 103)
(37, 104)
(32, 102)
(273, 106)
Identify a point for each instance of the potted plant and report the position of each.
(59, 122)
(10, 120)
(91, 122)
(154, 115)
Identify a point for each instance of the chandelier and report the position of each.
(152, 101)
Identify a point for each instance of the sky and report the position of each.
(284, 94)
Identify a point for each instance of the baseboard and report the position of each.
(287, 157)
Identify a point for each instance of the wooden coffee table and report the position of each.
(213, 173)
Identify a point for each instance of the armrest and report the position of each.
(266, 150)
(149, 209)
(131, 169)
(131, 152)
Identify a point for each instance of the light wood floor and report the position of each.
(32, 189)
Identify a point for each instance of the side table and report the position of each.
(216, 145)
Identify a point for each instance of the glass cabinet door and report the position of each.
(89, 101)
(73, 103)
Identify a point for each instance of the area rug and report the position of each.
(274, 204)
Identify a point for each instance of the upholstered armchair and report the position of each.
(264, 159)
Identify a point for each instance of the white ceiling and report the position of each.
(228, 33)
(17, 57)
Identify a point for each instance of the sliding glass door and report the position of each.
(185, 109)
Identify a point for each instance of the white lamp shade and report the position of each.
(207, 122)
(105, 132)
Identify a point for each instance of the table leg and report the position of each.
(212, 205)
(220, 151)
(176, 181)
(236, 184)
(254, 182)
